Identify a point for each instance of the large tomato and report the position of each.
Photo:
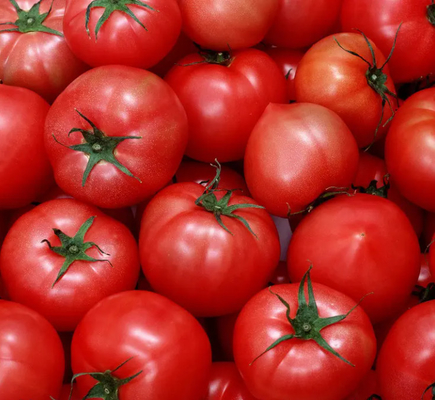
(409, 149)
(224, 99)
(368, 387)
(134, 33)
(24, 167)
(359, 91)
(128, 135)
(295, 153)
(159, 342)
(31, 354)
(70, 256)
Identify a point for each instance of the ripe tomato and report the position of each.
(140, 134)
(64, 284)
(164, 344)
(359, 92)
(24, 168)
(367, 388)
(359, 245)
(295, 153)
(380, 25)
(138, 34)
(410, 157)
(31, 352)
(234, 24)
(224, 101)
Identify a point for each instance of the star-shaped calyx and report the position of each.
(99, 147)
(74, 248)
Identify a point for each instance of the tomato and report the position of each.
(24, 167)
(224, 99)
(409, 156)
(359, 245)
(34, 54)
(295, 153)
(362, 93)
(3, 226)
(63, 284)
(324, 354)
(367, 388)
(234, 24)
(300, 23)
(138, 34)
(31, 353)
(405, 363)
(280, 275)
(66, 390)
(146, 121)
(412, 56)
(162, 342)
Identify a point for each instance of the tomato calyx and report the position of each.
(108, 385)
(431, 13)
(307, 324)
(74, 248)
(111, 6)
(223, 58)
(210, 203)
(432, 389)
(99, 147)
(373, 189)
(31, 20)
(425, 293)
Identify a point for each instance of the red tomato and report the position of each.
(359, 245)
(187, 256)
(405, 363)
(295, 153)
(162, 342)
(330, 76)
(224, 101)
(33, 276)
(413, 57)
(122, 32)
(31, 353)
(367, 388)
(300, 23)
(140, 132)
(410, 157)
(35, 55)
(24, 168)
(234, 24)
(280, 275)
(3, 227)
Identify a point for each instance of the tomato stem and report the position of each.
(431, 13)
(432, 388)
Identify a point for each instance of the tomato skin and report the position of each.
(282, 166)
(182, 246)
(346, 233)
(224, 103)
(165, 341)
(121, 40)
(405, 363)
(236, 24)
(300, 367)
(367, 387)
(112, 99)
(329, 76)
(380, 24)
(32, 346)
(409, 157)
(28, 275)
(24, 168)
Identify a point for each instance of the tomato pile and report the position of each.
(217, 200)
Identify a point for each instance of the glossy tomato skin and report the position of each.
(32, 354)
(234, 24)
(282, 166)
(223, 103)
(165, 341)
(189, 258)
(380, 24)
(121, 40)
(359, 245)
(117, 104)
(405, 363)
(409, 153)
(29, 274)
(329, 76)
(24, 167)
(299, 367)
(38, 61)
